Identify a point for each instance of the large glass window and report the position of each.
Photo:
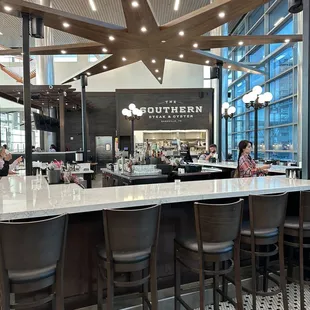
(278, 14)
(255, 16)
(240, 88)
(281, 62)
(257, 55)
(281, 113)
(287, 28)
(282, 87)
(281, 139)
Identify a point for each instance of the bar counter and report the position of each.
(24, 197)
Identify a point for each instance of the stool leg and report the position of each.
(290, 263)
(224, 283)
(110, 286)
(238, 279)
(257, 248)
(216, 286)
(253, 259)
(59, 289)
(201, 284)
(301, 274)
(99, 289)
(177, 281)
(282, 272)
(145, 289)
(154, 293)
(265, 278)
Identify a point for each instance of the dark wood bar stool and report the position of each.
(216, 242)
(265, 235)
(32, 260)
(131, 238)
(298, 228)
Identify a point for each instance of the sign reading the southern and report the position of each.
(168, 110)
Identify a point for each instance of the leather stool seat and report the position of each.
(292, 222)
(259, 233)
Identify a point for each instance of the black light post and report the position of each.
(227, 112)
(256, 100)
(132, 114)
(84, 121)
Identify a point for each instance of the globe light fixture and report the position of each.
(228, 112)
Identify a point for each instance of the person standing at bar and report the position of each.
(4, 163)
(212, 153)
(246, 165)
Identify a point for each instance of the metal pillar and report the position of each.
(226, 137)
(305, 119)
(132, 140)
(84, 115)
(62, 122)
(220, 78)
(255, 133)
(27, 95)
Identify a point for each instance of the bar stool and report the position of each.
(131, 238)
(298, 228)
(217, 241)
(32, 259)
(265, 231)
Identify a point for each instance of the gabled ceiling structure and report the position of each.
(143, 39)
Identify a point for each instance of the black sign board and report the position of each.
(167, 109)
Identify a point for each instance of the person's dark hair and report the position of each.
(5, 146)
(213, 145)
(242, 146)
(53, 146)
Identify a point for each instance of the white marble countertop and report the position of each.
(29, 197)
(233, 165)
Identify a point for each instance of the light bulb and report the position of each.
(232, 110)
(139, 113)
(252, 96)
(246, 98)
(257, 90)
(268, 96)
(124, 112)
(132, 106)
(261, 99)
(225, 105)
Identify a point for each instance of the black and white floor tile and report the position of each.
(272, 302)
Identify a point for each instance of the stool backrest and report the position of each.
(33, 245)
(267, 211)
(218, 222)
(133, 229)
(305, 205)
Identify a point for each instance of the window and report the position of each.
(281, 113)
(239, 53)
(287, 28)
(280, 139)
(258, 30)
(257, 79)
(240, 106)
(257, 55)
(240, 88)
(282, 62)
(65, 58)
(278, 14)
(282, 87)
(239, 123)
(261, 141)
(255, 16)
(261, 119)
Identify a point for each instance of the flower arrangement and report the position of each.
(66, 172)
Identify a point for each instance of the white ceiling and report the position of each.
(109, 11)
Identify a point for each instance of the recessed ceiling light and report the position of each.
(195, 45)
(66, 25)
(42, 103)
(240, 42)
(92, 5)
(143, 29)
(124, 59)
(229, 67)
(104, 50)
(156, 70)
(287, 40)
(181, 56)
(153, 61)
(8, 8)
(222, 14)
(63, 52)
(22, 53)
(105, 67)
(176, 5)
(66, 103)
(181, 33)
(111, 38)
(135, 4)
(1, 34)
(207, 61)
(249, 71)
(159, 78)
(163, 41)
(88, 73)
(75, 79)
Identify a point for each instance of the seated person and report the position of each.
(212, 153)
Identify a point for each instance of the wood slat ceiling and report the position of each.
(109, 11)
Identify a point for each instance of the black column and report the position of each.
(305, 119)
(220, 77)
(255, 133)
(132, 148)
(61, 115)
(226, 137)
(84, 122)
(27, 95)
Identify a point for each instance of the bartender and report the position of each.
(212, 153)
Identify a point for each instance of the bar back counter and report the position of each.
(26, 198)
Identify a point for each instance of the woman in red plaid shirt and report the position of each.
(246, 165)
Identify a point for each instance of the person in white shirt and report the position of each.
(5, 157)
(212, 153)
